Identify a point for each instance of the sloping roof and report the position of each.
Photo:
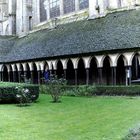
(115, 31)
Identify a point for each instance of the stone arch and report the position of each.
(70, 73)
(107, 75)
(120, 70)
(124, 59)
(93, 71)
(59, 70)
(135, 73)
(35, 73)
(5, 76)
(81, 72)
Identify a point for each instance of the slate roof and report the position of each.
(114, 32)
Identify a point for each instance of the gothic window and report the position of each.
(69, 6)
(43, 15)
(83, 4)
(54, 8)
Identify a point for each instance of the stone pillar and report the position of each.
(76, 5)
(87, 76)
(61, 8)
(39, 77)
(9, 78)
(32, 77)
(47, 8)
(113, 75)
(76, 80)
(14, 76)
(36, 12)
(65, 74)
(19, 76)
(100, 74)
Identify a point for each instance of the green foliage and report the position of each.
(23, 96)
(56, 87)
(102, 90)
(8, 92)
(134, 134)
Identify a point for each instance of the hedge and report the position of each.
(103, 90)
(8, 92)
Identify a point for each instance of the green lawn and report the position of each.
(76, 118)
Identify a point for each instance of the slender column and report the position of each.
(76, 5)
(136, 66)
(0, 76)
(14, 76)
(9, 78)
(61, 7)
(47, 8)
(113, 75)
(19, 76)
(100, 75)
(65, 73)
(87, 76)
(39, 81)
(25, 76)
(32, 77)
(76, 81)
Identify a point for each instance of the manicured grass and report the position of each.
(75, 118)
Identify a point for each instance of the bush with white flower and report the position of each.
(23, 96)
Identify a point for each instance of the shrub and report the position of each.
(102, 90)
(8, 92)
(55, 87)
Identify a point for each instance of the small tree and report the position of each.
(55, 87)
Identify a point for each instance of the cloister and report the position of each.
(110, 69)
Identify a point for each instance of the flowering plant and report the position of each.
(23, 96)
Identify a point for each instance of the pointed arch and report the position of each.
(107, 77)
(70, 73)
(135, 67)
(93, 71)
(60, 70)
(81, 72)
(120, 70)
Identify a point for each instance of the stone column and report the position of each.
(87, 76)
(76, 5)
(9, 77)
(25, 76)
(39, 80)
(65, 74)
(47, 8)
(76, 80)
(32, 77)
(61, 8)
(113, 75)
(19, 76)
(14, 76)
(36, 12)
(100, 74)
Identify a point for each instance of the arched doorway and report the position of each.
(120, 71)
(70, 73)
(135, 68)
(81, 72)
(107, 77)
(60, 71)
(93, 72)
